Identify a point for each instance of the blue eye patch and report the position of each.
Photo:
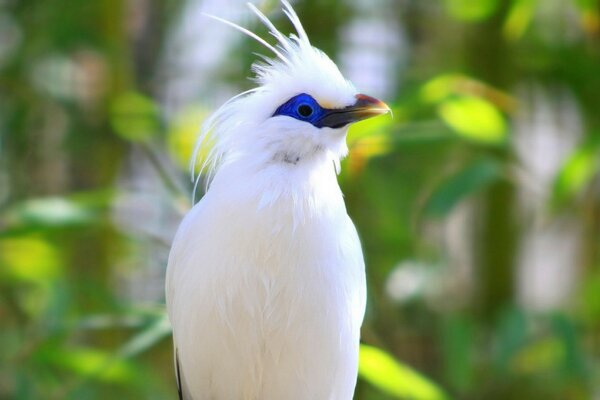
(303, 108)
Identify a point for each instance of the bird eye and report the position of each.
(305, 110)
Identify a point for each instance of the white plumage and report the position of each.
(266, 282)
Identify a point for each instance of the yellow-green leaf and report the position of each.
(518, 19)
(134, 116)
(182, 135)
(92, 363)
(443, 86)
(384, 372)
(474, 118)
(471, 10)
(541, 355)
(577, 172)
(29, 258)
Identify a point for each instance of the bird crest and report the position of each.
(295, 67)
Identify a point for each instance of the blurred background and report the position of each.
(478, 204)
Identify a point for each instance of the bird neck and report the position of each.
(309, 184)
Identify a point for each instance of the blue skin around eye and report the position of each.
(290, 108)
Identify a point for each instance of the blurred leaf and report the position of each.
(110, 321)
(518, 18)
(589, 299)
(371, 146)
(443, 86)
(383, 371)
(474, 177)
(91, 363)
(577, 172)
(448, 86)
(574, 362)
(182, 136)
(471, 10)
(590, 15)
(157, 331)
(134, 117)
(29, 259)
(539, 356)
(511, 336)
(474, 118)
(381, 125)
(49, 212)
(367, 139)
(33, 266)
(457, 340)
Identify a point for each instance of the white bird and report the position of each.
(266, 283)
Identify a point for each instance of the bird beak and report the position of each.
(364, 107)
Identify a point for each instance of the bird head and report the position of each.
(298, 114)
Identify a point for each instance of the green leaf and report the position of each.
(382, 125)
(134, 117)
(457, 340)
(443, 86)
(574, 361)
(91, 363)
(474, 177)
(589, 15)
(29, 258)
(51, 211)
(518, 18)
(577, 172)
(474, 118)
(158, 330)
(540, 356)
(46, 213)
(183, 133)
(392, 377)
(471, 10)
(511, 336)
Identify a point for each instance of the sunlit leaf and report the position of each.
(392, 377)
(182, 135)
(474, 118)
(33, 264)
(518, 18)
(380, 125)
(450, 86)
(91, 363)
(471, 10)
(46, 213)
(577, 172)
(441, 87)
(51, 211)
(134, 116)
(474, 177)
(371, 146)
(29, 259)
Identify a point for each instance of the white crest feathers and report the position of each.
(296, 67)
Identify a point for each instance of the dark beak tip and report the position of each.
(363, 108)
(371, 103)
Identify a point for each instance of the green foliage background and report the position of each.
(81, 106)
